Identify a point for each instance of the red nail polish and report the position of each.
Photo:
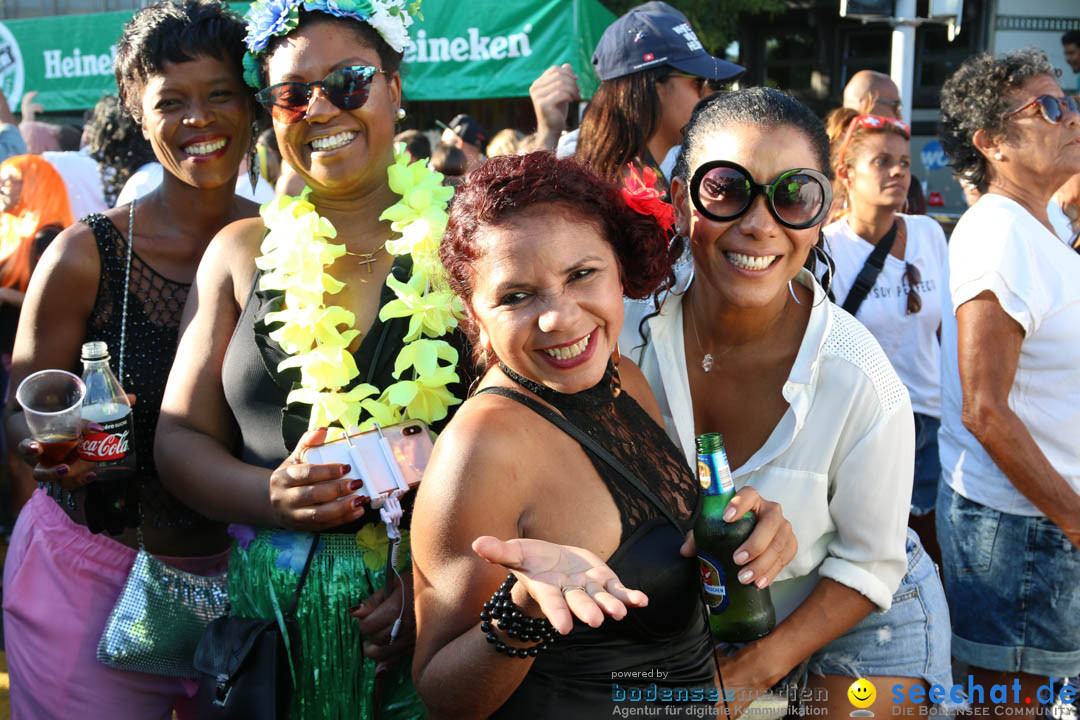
(90, 477)
(355, 485)
(345, 469)
(357, 502)
(62, 470)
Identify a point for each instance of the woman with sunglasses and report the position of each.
(1008, 512)
(246, 385)
(812, 415)
(122, 277)
(889, 273)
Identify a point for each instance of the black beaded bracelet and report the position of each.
(514, 623)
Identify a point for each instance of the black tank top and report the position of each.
(155, 304)
(583, 673)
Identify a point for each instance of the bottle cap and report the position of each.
(95, 350)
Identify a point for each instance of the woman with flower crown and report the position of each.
(327, 311)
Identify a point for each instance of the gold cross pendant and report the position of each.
(367, 260)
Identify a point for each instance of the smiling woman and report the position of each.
(254, 374)
(178, 68)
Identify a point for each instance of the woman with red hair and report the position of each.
(32, 198)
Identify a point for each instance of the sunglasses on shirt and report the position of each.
(1052, 108)
(722, 190)
(347, 88)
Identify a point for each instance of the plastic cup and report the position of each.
(52, 404)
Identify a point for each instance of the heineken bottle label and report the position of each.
(712, 580)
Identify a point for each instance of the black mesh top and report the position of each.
(623, 428)
(153, 322)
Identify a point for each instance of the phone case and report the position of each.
(384, 459)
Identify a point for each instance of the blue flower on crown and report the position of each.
(269, 18)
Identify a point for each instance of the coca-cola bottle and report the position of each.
(112, 499)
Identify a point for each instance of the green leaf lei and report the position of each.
(295, 253)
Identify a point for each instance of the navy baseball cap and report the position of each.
(652, 35)
(467, 128)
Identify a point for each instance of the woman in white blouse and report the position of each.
(811, 412)
(889, 273)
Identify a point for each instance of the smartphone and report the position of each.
(386, 459)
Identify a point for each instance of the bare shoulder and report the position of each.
(231, 256)
(73, 258)
(634, 382)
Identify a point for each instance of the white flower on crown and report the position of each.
(392, 21)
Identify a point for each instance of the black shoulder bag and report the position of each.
(870, 271)
(245, 662)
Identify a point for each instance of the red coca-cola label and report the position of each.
(109, 445)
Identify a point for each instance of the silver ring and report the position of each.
(568, 588)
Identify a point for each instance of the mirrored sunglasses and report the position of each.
(722, 190)
(1052, 108)
(347, 88)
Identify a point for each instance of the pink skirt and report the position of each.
(60, 583)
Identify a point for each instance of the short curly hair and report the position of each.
(174, 31)
(977, 97)
(505, 186)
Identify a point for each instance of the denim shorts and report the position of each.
(927, 465)
(910, 639)
(1013, 583)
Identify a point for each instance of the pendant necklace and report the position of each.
(707, 361)
(366, 259)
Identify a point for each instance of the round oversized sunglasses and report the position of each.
(1052, 108)
(347, 88)
(722, 190)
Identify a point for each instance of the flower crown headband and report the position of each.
(268, 19)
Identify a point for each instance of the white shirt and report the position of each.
(149, 176)
(1061, 222)
(999, 246)
(82, 180)
(909, 341)
(840, 462)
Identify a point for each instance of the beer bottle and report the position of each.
(737, 612)
(112, 499)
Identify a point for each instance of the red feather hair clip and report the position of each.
(641, 195)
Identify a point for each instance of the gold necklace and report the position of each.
(366, 259)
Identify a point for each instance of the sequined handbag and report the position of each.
(159, 617)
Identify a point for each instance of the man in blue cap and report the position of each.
(653, 35)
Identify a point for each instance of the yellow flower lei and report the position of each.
(295, 253)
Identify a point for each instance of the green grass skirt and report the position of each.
(333, 679)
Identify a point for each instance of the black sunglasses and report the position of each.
(347, 88)
(1052, 108)
(722, 190)
(912, 277)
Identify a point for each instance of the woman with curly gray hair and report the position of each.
(1008, 512)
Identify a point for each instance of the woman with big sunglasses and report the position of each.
(1008, 512)
(889, 273)
(297, 321)
(122, 277)
(812, 414)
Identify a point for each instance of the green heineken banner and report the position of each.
(460, 50)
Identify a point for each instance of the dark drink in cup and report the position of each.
(56, 448)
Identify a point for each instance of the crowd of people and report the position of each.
(569, 310)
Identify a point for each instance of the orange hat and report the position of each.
(43, 201)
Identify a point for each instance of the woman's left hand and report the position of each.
(376, 617)
(771, 545)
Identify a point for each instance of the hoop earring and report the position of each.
(827, 261)
(616, 382)
(253, 158)
(792, 291)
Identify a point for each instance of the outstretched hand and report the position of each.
(564, 581)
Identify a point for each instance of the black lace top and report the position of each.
(623, 428)
(152, 334)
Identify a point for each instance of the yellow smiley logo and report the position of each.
(862, 693)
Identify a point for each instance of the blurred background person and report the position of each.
(552, 94)
(889, 273)
(1070, 42)
(466, 134)
(451, 162)
(506, 142)
(11, 141)
(653, 70)
(1008, 512)
(416, 142)
(116, 144)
